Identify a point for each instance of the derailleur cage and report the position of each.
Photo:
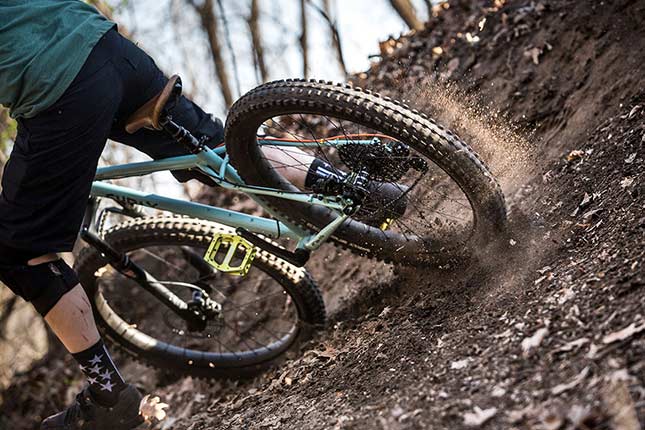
(385, 162)
(352, 188)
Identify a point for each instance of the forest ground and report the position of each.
(548, 335)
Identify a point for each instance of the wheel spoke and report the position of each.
(253, 322)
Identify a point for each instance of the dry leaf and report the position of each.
(576, 154)
(456, 365)
(593, 351)
(530, 343)
(481, 24)
(626, 182)
(329, 353)
(498, 391)
(565, 295)
(573, 344)
(386, 310)
(551, 421)
(558, 389)
(478, 416)
(623, 334)
(152, 409)
(634, 110)
(534, 54)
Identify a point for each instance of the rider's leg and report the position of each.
(72, 321)
(53, 288)
(292, 163)
(304, 170)
(71, 318)
(46, 185)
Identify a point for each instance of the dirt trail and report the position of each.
(549, 335)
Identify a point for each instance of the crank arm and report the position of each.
(204, 269)
(298, 258)
(122, 263)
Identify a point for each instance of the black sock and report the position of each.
(105, 380)
(320, 169)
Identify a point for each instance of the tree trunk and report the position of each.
(303, 39)
(428, 4)
(406, 11)
(256, 39)
(210, 26)
(335, 36)
(106, 11)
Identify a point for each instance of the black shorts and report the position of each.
(47, 180)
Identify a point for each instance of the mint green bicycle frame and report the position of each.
(215, 163)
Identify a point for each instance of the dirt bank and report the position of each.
(550, 334)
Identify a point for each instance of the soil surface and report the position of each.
(547, 334)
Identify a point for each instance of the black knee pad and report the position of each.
(43, 285)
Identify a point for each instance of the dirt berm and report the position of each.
(549, 335)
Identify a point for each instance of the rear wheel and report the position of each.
(263, 314)
(453, 201)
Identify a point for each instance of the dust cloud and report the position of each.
(503, 147)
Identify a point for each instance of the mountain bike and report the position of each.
(215, 294)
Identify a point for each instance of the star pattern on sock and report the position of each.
(106, 375)
(102, 376)
(107, 386)
(96, 360)
(96, 369)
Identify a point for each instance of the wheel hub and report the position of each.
(202, 310)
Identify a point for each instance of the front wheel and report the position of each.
(261, 315)
(453, 202)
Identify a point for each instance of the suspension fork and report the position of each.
(124, 265)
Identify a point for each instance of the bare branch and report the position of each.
(303, 39)
(406, 11)
(428, 4)
(256, 39)
(229, 44)
(210, 26)
(335, 34)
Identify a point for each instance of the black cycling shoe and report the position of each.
(384, 202)
(86, 414)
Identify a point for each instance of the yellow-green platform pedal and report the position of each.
(224, 254)
(386, 224)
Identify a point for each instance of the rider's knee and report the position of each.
(41, 284)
